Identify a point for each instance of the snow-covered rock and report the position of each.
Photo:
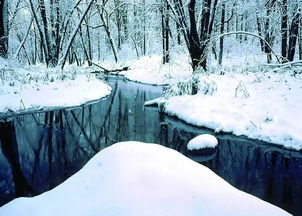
(133, 178)
(202, 141)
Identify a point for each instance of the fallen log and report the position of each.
(299, 62)
(107, 71)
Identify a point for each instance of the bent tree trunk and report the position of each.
(3, 28)
(62, 60)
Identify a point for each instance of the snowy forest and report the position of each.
(136, 107)
(53, 32)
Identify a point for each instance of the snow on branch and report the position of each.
(251, 34)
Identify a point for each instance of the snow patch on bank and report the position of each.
(37, 87)
(133, 178)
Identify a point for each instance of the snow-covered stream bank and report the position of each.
(236, 98)
(35, 88)
(260, 105)
(266, 107)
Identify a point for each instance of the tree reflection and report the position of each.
(9, 147)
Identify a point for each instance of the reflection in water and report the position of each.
(40, 151)
(265, 171)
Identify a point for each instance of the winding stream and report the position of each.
(41, 150)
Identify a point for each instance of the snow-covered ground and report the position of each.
(35, 87)
(135, 178)
(149, 69)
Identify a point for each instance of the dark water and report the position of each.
(40, 151)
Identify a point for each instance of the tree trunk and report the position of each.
(108, 33)
(118, 22)
(165, 32)
(46, 34)
(263, 26)
(221, 32)
(259, 29)
(178, 33)
(194, 40)
(284, 30)
(57, 32)
(125, 22)
(43, 44)
(267, 31)
(3, 28)
(197, 43)
(144, 28)
(24, 39)
(293, 36)
(300, 40)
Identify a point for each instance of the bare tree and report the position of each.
(3, 28)
(63, 58)
(105, 24)
(264, 29)
(165, 32)
(300, 39)
(222, 20)
(284, 29)
(293, 34)
(197, 39)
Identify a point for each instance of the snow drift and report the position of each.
(133, 178)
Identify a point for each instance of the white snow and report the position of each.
(36, 87)
(133, 178)
(149, 69)
(202, 141)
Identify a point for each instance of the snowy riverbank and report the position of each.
(246, 100)
(35, 87)
(154, 181)
(260, 106)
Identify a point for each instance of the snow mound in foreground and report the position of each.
(133, 178)
(202, 141)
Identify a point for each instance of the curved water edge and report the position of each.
(11, 114)
(7, 115)
(41, 150)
